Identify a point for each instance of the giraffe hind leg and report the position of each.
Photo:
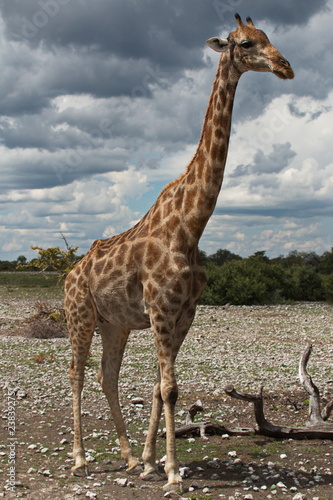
(76, 375)
(81, 322)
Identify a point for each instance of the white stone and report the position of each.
(184, 471)
(91, 494)
(254, 477)
(137, 401)
(121, 481)
(213, 464)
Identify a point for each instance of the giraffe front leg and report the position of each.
(114, 341)
(167, 340)
(167, 350)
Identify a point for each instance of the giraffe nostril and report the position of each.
(285, 63)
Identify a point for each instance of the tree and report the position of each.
(326, 263)
(21, 259)
(54, 259)
(260, 256)
(220, 257)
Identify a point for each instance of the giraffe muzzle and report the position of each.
(282, 69)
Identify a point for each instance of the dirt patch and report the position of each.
(246, 346)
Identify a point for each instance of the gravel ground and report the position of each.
(245, 346)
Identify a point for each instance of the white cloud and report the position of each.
(12, 246)
(83, 211)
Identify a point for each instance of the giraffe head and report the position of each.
(250, 50)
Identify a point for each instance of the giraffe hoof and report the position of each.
(133, 466)
(80, 470)
(176, 488)
(152, 475)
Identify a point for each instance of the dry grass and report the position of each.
(42, 329)
(47, 322)
(44, 358)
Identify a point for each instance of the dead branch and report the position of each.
(65, 240)
(194, 409)
(322, 430)
(316, 428)
(310, 387)
(327, 410)
(203, 429)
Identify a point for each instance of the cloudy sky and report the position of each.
(102, 104)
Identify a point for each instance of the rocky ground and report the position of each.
(246, 346)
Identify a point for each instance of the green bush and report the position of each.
(327, 283)
(244, 282)
(308, 284)
(259, 280)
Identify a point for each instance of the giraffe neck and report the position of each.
(203, 179)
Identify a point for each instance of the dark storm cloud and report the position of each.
(114, 48)
(283, 12)
(160, 32)
(272, 163)
(164, 31)
(41, 169)
(123, 51)
(301, 209)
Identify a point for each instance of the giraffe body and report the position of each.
(150, 275)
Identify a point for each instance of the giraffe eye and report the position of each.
(246, 44)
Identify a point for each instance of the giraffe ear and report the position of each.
(250, 22)
(217, 44)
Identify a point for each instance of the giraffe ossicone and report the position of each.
(150, 275)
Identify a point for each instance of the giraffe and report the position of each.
(150, 275)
